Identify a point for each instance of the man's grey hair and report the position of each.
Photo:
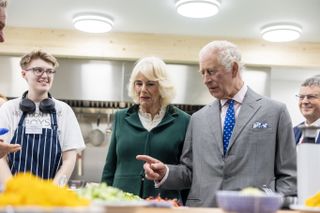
(3, 3)
(227, 53)
(312, 81)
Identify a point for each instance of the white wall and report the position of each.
(285, 83)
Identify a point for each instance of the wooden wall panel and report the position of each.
(172, 48)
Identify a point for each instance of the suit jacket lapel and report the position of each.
(248, 108)
(297, 133)
(214, 122)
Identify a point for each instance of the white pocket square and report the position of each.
(259, 125)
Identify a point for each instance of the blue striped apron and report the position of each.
(40, 154)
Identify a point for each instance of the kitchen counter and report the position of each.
(122, 210)
(170, 210)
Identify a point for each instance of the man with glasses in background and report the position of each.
(46, 128)
(309, 105)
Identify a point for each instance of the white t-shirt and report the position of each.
(69, 132)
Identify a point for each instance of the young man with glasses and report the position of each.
(309, 104)
(46, 128)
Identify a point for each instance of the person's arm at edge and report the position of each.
(5, 173)
(68, 163)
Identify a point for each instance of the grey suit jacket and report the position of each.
(261, 152)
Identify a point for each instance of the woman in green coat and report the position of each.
(152, 126)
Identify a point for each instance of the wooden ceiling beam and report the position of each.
(172, 48)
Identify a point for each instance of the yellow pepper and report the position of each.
(313, 201)
(27, 189)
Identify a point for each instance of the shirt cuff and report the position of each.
(157, 184)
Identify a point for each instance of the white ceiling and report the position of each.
(236, 19)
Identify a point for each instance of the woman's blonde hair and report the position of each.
(154, 69)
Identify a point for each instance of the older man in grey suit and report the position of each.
(241, 139)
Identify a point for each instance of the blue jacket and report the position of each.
(298, 133)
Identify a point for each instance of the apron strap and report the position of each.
(22, 119)
(54, 123)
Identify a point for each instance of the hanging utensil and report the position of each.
(79, 163)
(97, 136)
(109, 122)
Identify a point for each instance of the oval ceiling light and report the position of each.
(92, 23)
(198, 8)
(281, 32)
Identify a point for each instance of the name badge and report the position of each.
(34, 129)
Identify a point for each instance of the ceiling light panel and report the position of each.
(197, 8)
(92, 23)
(281, 32)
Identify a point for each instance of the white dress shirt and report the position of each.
(238, 99)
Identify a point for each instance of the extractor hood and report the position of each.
(107, 80)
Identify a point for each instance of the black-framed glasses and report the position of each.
(309, 97)
(38, 71)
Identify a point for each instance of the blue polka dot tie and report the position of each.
(229, 123)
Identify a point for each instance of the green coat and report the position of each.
(129, 139)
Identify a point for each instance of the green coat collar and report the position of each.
(132, 116)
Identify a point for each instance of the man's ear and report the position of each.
(235, 69)
(23, 73)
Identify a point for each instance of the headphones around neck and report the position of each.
(46, 105)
